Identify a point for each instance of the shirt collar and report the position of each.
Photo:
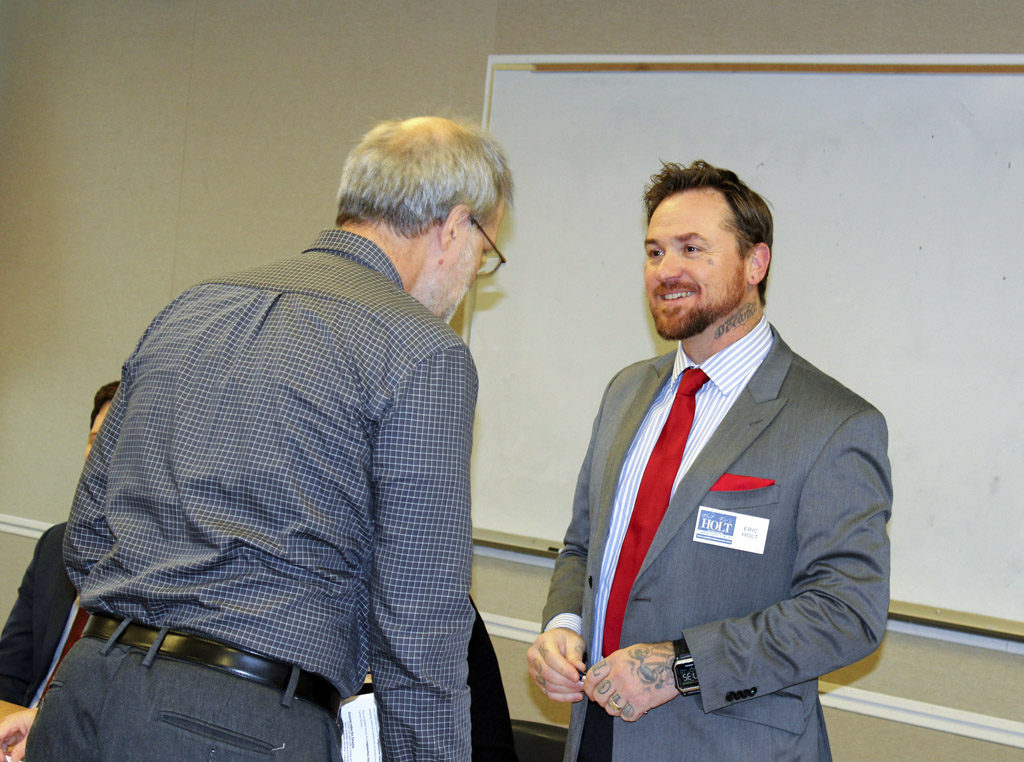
(730, 367)
(358, 249)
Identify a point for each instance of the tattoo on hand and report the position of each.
(538, 670)
(604, 687)
(653, 665)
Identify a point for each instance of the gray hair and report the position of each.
(409, 175)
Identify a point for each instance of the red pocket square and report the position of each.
(735, 483)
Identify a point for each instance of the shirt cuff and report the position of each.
(572, 622)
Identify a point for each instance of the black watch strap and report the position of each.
(680, 646)
(683, 669)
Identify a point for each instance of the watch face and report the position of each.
(686, 677)
(686, 674)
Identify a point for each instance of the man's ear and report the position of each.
(452, 227)
(757, 263)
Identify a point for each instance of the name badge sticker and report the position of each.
(730, 530)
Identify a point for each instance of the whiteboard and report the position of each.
(897, 267)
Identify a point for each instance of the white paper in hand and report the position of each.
(360, 733)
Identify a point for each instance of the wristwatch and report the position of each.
(683, 669)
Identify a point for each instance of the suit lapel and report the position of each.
(625, 416)
(752, 412)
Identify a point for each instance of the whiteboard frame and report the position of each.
(876, 64)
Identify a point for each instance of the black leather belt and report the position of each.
(234, 661)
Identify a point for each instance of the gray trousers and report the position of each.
(113, 707)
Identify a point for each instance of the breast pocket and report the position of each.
(742, 500)
(743, 522)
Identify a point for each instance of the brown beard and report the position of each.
(700, 319)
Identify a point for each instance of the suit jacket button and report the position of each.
(751, 691)
(730, 696)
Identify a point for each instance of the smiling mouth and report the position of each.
(677, 295)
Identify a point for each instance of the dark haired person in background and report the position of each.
(42, 620)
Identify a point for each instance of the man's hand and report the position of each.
(14, 732)
(633, 680)
(556, 663)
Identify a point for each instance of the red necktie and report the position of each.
(77, 626)
(651, 501)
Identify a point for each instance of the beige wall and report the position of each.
(147, 144)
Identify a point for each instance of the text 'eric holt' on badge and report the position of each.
(737, 531)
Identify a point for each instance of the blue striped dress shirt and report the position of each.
(728, 372)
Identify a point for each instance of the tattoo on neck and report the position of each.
(737, 319)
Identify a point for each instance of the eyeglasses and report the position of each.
(492, 259)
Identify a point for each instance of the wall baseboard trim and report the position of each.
(944, 719)
(982, 727)
(512, 556)
(510, 628)
(23, 527)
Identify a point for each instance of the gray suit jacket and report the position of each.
(761, 627)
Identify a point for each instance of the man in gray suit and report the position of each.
(696, 625)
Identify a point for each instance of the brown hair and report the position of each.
(751, 218)
(103, 395)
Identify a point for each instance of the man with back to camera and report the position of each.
(278, 501)
(727, 543)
